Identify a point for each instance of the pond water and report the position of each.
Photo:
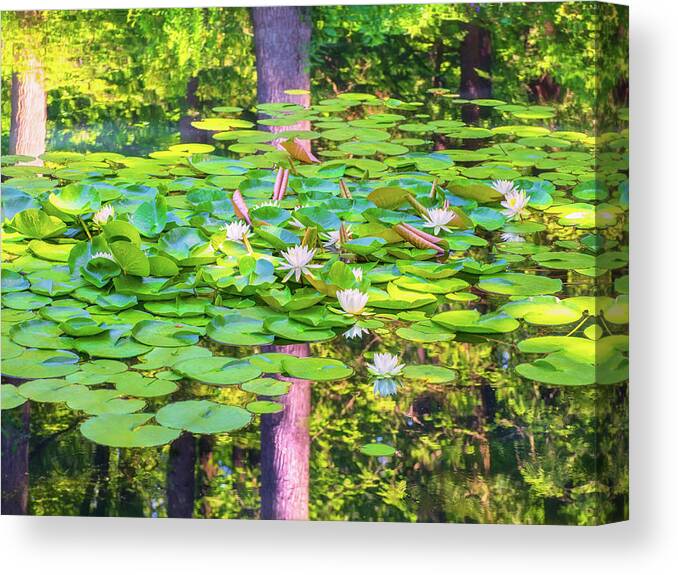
(500, 306)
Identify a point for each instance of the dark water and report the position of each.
(488, 448)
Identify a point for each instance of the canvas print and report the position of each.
(352, 263)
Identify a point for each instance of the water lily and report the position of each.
(357, 274)
(509, 237)
(103, 255)
(385, 365)
(267, 203)
(333, 238)
(298, 261)
(236, 231)
(352, 301)
(355, 331)
(503, 186)
(515, 203)
(438, 218)
(105, 214)
(385, 386)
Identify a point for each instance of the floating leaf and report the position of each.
(377, 450)
(9, 397)
(430, 373)
(166, 333)
(519, 284)
(129, 430)
(203, 417)
(263, 407)
(315, 368)
(217, 370)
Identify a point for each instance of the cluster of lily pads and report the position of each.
(124, 277)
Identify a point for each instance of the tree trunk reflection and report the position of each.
(285, 449)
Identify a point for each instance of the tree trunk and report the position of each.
(475, 55)
(207, 471)
(130, 500)
(187, 133)
(545, 89)
(97, 495)
(181, 477)
(285, 449)
(282, 36)
(28, 123)
(15, 439)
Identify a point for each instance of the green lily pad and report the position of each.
(24, 300)
(51, 390)
(270, 362)
(13, 282)
(315, 368)
(167, 357)
(377, 450)
(262, 407)
(9, 397)
(39, 364)
(111, 344)
(564, 260)
(266, 386)
(519, 284)
(296, 331)
(471, 321)
(35, 223)
(236, 329)
(102, 401)
(217, 370)
(133, 383)
(166, 334)
(41, 334)
(127, 430)
(203, 417)
(430, 373)
(542, 310)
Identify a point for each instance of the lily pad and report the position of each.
(236, 329)
(377, 450)
(110, 344)
(266, 386)
(519, 284)
(316, 369)
(39, 364)
(430, 373)
(51, 390)
(128, 430)
(202, 416)
(262, 407)
(9, 397)
(217, 370)
(166, 334)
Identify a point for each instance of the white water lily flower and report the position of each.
(103, 255)
(355, 331)
(299, 260)
(503, 186)
(385, 365)
(267, 203)
(384, 387)
(508, 237)
(357, 274)
(333, 238)
(236, 231)
(106, 213)
(515, 203)
(438, 218)
(352, 301)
